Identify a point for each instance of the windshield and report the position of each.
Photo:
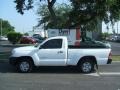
(38, 44)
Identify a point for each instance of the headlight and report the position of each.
(13, 51)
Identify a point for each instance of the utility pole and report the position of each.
(44, 31)
(33, 28)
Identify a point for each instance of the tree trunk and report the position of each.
(50, 7)
(83, 34)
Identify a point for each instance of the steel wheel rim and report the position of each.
(24, 66)
(86, 67)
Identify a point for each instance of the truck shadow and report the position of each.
(56, 69)
(7, 68)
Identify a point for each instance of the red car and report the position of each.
(27, 40)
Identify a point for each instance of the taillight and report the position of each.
(77, 43)
(110, 55)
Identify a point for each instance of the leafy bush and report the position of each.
(104, 35)
(14, 37)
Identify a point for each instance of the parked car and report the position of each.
(118, 39)
(3, 38)
(38, 38)
(113, 38)
(27, 40)
(56, 52)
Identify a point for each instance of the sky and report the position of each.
(22, 23)
(25, 23)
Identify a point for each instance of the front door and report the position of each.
(52, 53)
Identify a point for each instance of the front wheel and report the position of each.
(25, 66)
(86, 66)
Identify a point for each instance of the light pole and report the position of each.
(117, 27)
(1, 27)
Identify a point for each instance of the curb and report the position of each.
(5, 51)
(7, 45)
(4, 61)
(115, 61)
(11, 45)
(16, 45)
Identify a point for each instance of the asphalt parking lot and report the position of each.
(60, 78)
(115, 48)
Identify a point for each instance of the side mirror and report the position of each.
(40, 47)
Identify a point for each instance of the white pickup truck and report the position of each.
(56, 52)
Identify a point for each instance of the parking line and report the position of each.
(104, 74)
(93, 74)
(110, 73)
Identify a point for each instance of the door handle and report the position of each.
(60, 52)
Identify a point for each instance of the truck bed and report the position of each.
(89, 45)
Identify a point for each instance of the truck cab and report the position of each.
(53, 52)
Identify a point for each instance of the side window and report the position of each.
(52, 44)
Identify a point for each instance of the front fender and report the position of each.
(35, 59)
(22, 53)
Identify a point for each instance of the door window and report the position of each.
(52, 44)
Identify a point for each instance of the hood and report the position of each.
(23, 51)
(26, 48)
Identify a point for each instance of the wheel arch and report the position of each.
(25, 58)
(91, 58)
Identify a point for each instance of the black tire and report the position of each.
(86, 65)
(24, 66)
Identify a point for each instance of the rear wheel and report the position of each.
(86, 65)
(25, 66)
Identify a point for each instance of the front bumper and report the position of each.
(109, 61)
(12, 60)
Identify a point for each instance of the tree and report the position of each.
(26, 34)
(89, 11)
(14, 37)
(84, 14)
(22, 5)
(104, 35)
(6, 27)
(62, 13)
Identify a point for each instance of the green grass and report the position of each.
(4, 55)
(116, 58)
(1, 53)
